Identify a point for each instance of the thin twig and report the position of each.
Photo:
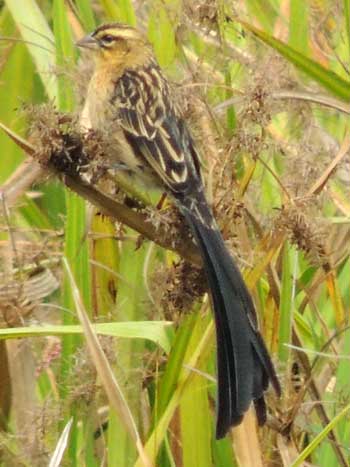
(321, 182)
(320, 99)
(326, 101)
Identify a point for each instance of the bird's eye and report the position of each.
(108, 39)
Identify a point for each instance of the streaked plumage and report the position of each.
(130, 100)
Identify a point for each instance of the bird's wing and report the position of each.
(153, 129)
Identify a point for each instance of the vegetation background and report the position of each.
(266, 87)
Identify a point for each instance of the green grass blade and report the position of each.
(230, 113)
(174, 365)
(35, 30)
(192, 361)
(196, 431)
(104, 253)
(264, 11)
(18, 70)
(320, 437)
(110, 384)
(326, 78)
(132, 304)
(86, 14)
(126, 12)
(75, 246)
(122, 11)
(11, 154)
(110, 9)
(347, 23)
(298, 26)
(161, 32)
(75, 231)
(65, 54)
(343, 370)
(155, 331)
(35, 217)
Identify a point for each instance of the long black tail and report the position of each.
(243, 363)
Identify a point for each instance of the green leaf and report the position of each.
(196, 431)
(126, 12)
(326, 78)
(174, 366)
(40, 40)
(298, 25)
(155, 331)
(65, 54)
(161, 32)
(75, 247)
(320, 437)
(18, 65)
(86, 14)
(132, 304)
(104, 256)
(343, 367)
(198, 356)
(264, 11)
(347, 23)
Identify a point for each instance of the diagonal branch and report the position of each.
(161, 234)
(140, 222)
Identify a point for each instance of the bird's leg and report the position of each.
(159, 206)
(160, 203)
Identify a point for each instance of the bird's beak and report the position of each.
(87, 42)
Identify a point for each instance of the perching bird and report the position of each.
(130, 100)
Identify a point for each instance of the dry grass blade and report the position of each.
(320, 183)
(336, 298)
(105, 372)
(246, 442)
(26, 174)
(320, 99)
(38, 286)
(287, 451)
(61, 446)
(21, 180)
(22, 143)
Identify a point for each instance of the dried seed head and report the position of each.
(178, 287)
(304, 232)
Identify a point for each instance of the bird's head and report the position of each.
(116, 42)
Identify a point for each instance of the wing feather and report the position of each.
(154, 129)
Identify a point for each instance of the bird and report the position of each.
(132, 103)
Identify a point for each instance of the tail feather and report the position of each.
(244, 366)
